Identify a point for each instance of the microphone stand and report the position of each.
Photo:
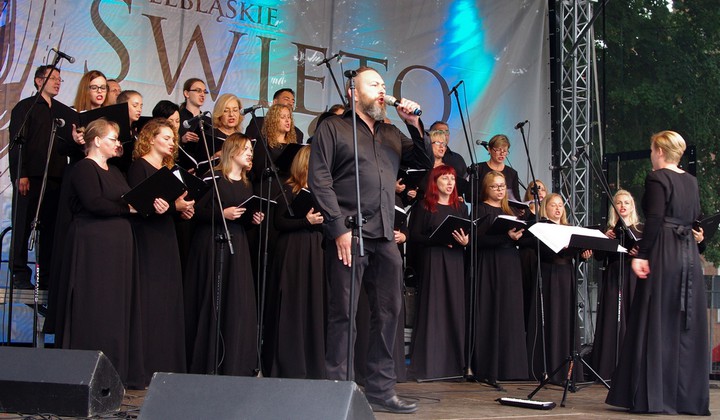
(221, 239)
(538, 268)
(624, 233)
(337, 86)
(35, 234)
(19, 141)
(271, 171)
(474, 181)
(356, 224)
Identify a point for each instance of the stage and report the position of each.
(464, 400)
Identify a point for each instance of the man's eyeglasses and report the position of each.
(55, 79)
(198, 90)
(500, 151)
(96, 88)
(499, 187)
(439, 143)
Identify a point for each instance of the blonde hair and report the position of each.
(219, 109)
(98, 128)
(499, 140)
(547, 200)
(633, 221)
(234, 144)
(671, 143)
(299, 170)
(271, 124)
(487, 180)
(143, 145)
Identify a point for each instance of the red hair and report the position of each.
(432, 196)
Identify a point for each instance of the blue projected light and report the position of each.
(464, 37)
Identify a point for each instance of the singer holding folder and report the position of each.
(101, 311)
(299, 273)
(438, 341)
(238, 324)
(382, 148)
(160, 291)
(664, 364)
(500, 352)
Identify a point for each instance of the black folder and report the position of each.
(204, 166)
(503, 223)
(285, 160)
(709, 226)
(162, 184)
(520, 205)
(252, 205)
(302, 204)
(412, 178)
(117, 113)
(196, 187)
(443, 233)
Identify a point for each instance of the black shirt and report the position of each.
(332, 172)
(37, 138)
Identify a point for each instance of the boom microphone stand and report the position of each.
(474, 182)
(19, 142)
(271, 171)
(538, 270)
(221, 239)
(332, 75)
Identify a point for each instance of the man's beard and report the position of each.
(373, 109)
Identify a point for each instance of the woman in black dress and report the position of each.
(161, 296)
(298, 270)
(238, 313)
(278, 131)
(99, 263)
(664, 364)
(609, 332)
(558, 287)
(438, 343)
(499, 343)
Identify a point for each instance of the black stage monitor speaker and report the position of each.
(77, 383)
(180, 396)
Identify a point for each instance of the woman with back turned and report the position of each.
(664, 364)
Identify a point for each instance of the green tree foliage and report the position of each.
(660, 69)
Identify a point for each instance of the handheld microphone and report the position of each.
(455, 87)
(59, 122)
(389, 99)
(250, 109)
(521, 124)
(328, 59)
(189, 123)
(482, 143)
(63, 55)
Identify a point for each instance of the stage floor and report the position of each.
(465, 400)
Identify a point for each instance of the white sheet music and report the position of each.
(557, 237)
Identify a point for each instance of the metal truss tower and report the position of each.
(575, 126)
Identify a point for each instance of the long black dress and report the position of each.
(499, 345)
(438, 343)
(664, 364)
(605, 342)
(558, 286)
(298, 270)
(102, 310)
(161, 295)
(238, 321)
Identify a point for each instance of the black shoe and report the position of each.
(392, 405)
